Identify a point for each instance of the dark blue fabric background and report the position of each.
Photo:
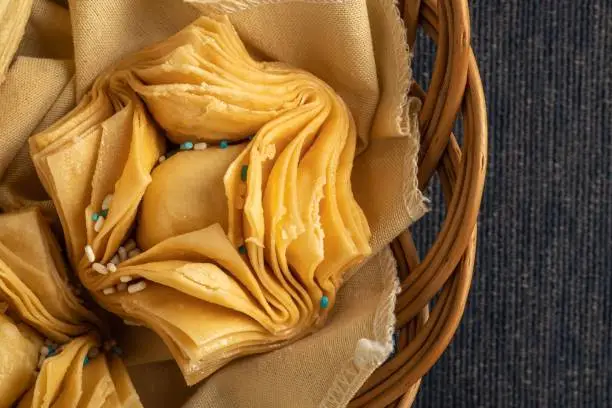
(537, 331)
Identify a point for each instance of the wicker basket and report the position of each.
(447, 269)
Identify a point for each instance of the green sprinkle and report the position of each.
(242, 249)
(324, 302)
(95, 216)
(187, 146)
(244, 172)
(224, 144)
(104, 213)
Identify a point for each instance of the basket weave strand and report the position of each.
(446, 270)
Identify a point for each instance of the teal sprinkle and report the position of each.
(95, 216)
(324, 302)
(224, 144)
(52, 352)
(104, 213)
(244, 172)
(187, 146)
(86, 361)
(242, 249)
(171, 153)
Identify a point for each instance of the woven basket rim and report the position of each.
(446, 271)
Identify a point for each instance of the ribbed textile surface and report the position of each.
(538, 326)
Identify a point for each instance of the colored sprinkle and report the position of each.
(170, 154)
(104, 213)
(251, 137)
(86, 360)
(242, 249)
(324, 302)
(117, 350)
(224, 144)
(95, 216)
(52, 352)
(200, 146)
(244, 172)
(186, 146)
(91, 257)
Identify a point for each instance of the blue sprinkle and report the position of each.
(324, 302)
(244, 172)
(187, 146)
(86, 361)
(224, 144)
(52, 352)
(242, 249)
(95, 216)
(104, 213)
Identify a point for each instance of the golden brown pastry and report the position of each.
(34, 280)
(80, 374)
(18, 359)
(207, 196)
(50, 354)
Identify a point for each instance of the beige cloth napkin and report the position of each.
(358, 47)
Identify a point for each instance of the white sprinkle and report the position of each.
(121, 287)
(115, 260)
(93, 353)
(109, 291)
(134, 252)
(99, 224)
(161, 159)
(137, 287)
(131, 323)
(200, 146)
(44, 351)
(91, 257)
(107, 202)
(129, 245)
(101, 269)
(122, 254)
(126, 278)
(111, 267)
